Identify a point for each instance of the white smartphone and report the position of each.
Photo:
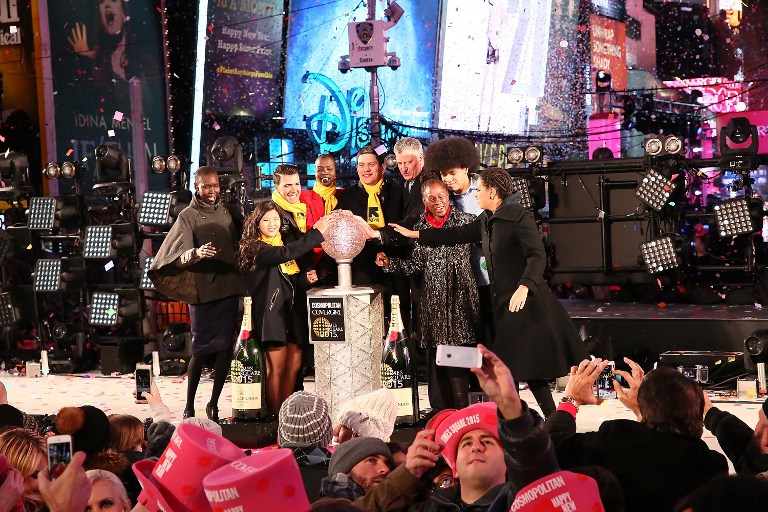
(59, 454)
(143, 381)
(458, 356)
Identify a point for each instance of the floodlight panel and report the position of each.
(733, 218)
(155, 209)
(48, 275)
(8, 311)
(42, 212)
(654, 190)
(146, 282)
(104, 308)
(660, 255)
(98, 242)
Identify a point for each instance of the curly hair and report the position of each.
(251, 243)
(429, 181)
(284, 170)
(446, 154)
(670, 402)
(499, 180)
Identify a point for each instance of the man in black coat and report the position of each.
(659, 459)
(378, 202)
(747, 448)
(410, 162)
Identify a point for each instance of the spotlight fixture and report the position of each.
(162, 208)
(738, 216)
(756, 348)
(160, 164)
(521, 185)
(10, 313)
(739, 131)
(51, 213)
(176, 341)
(226, 154)
(146, 283)
(56, 170)
(109, 241)
(654, 190)
(59, 275)
(14, 174)
(515, 156)
(663, 145)
(68, 340)
(113, 172)
(114, 308)
(660, 255)
(534, 154)
(603, 81)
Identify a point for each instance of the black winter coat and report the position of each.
(279, 301)
(539, 341)
(737, 440)
(355, 199)
(656, 469)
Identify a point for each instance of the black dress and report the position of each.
(539, 341)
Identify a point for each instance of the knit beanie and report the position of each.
(370, 415)
(304, 421)
(88, 426)
(348, 454)
(158, 436)
(10, 416)
(207, 424)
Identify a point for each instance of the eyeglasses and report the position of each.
(446, 482)
(370, 165)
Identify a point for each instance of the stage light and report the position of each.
(534, 154)
(738, 216)
(113, 172)
(155, 209)
(113, 309)
(756, 349)
(176, 341)
(146, 283)
(52, 171)
(8, 247)
(739, 131)
(59, 275)
(223, 148)
(515, 156)
(660, 255)
(107, 242)
(10, 313)
(603, 81)
(14, 174)
(653, 146)
(56, 170)
(51, 213)
(654, 190)
(663, 145)
(674, 145)
(390, 161)
(521, 185)
(68, 340)
(226, 154)
(160, 164)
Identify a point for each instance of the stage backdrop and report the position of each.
(333, 107)
(96, 47)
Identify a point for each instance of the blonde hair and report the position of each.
(100, 475)
(125, 432)
(20, 447)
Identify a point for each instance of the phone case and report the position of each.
(460, 357)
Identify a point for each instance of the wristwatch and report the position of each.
(569, 400)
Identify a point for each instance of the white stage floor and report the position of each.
(46, 395)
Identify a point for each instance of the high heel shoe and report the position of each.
(213, 412)
(188, 413)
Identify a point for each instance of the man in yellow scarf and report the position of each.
(325, 181)
(303, 207)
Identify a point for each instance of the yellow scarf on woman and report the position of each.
(375, 215)
(328, 194)
(289, 267)
(299, 210)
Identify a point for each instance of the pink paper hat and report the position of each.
(269, 479)
(559, 491)
(453, 427)
(175, 481)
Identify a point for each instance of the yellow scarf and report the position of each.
(375, 215)
(289, 267)
(328, 194)
(299, 210)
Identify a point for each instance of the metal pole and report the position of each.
(374, 93)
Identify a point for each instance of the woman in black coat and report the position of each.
(534, 335)
(277, 276)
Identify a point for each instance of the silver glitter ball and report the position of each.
(344, 239)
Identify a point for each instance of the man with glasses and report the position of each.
(376, 200)
(196, 265)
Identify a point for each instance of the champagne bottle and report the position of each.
(247, 372)
(396, 369)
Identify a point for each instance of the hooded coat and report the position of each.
(539, 341)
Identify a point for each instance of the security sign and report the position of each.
(367, 44)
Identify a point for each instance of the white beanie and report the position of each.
(209, 425)
(370, 415)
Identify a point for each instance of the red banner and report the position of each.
(608, 43)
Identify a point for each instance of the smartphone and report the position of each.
(458, 356)
(59, 454)
(604, 384)
(143, 381)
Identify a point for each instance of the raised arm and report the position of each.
(270, 255)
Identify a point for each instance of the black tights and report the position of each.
(220, 368)
(543, 396)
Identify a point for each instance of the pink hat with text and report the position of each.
(269, 479)
(563, 490)
(175, 481)
(452, 428)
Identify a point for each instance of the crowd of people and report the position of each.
(468, 263)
